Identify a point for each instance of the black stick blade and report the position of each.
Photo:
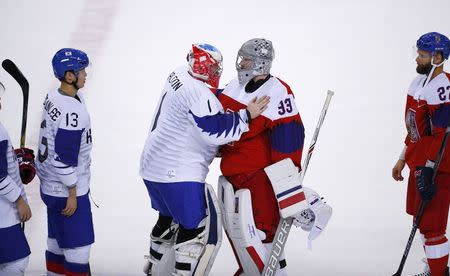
(12, 69)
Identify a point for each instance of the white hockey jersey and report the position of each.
(11, 186)
(187, 128)
(65, 144)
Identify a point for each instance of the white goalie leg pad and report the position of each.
(285, 181)
(240, 226)
(161, 260)
(321, 215)
(196, 256)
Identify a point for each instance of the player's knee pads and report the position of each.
(240, 227)
(14, 268)
(317, 218)
(196, 249)
(162, 255)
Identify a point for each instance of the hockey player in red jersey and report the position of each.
(427, 115)
(275, 135)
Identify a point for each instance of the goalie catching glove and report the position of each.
(305, 205)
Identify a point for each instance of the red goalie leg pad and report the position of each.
(54, 262)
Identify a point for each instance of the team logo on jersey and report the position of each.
(411, 125)
(171, 173)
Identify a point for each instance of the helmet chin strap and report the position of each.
(432, 69)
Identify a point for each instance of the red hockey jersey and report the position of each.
(277, 134)
(427, 115)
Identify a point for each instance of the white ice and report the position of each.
(362, 49)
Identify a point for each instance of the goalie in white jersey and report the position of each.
(63, 166)
(14, 209)
(188, 126)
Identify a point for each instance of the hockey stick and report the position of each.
(422, 205)
(12, 69)
(285, 224)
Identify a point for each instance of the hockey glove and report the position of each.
(27, 166)
(424, 178)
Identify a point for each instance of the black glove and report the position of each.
(27, 166)
(424, 178)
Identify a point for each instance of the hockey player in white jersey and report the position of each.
(63, 167)
(188, 126)
(14, 209)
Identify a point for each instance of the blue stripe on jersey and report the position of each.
(3, 160)
(67, 145)
(218, 123)
(441, 116)
(287, 137)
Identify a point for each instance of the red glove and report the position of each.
(27, 166)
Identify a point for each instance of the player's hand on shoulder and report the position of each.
(257, 106)
(71, 204)
(27, 167)
(397, 170)
(24, 209)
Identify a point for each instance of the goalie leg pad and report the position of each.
(241, 228)
(285, 181)
(196, 249)
(161, 260)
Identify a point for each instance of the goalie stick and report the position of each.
(284, 225)
(422, 205)
(12, 69)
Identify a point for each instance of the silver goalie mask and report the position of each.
(254, 59)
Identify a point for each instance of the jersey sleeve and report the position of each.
(215, 126)
(67, 144)
(9, 190)
(440, 118)
(287, 132)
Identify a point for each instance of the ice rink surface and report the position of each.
(361, 49)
